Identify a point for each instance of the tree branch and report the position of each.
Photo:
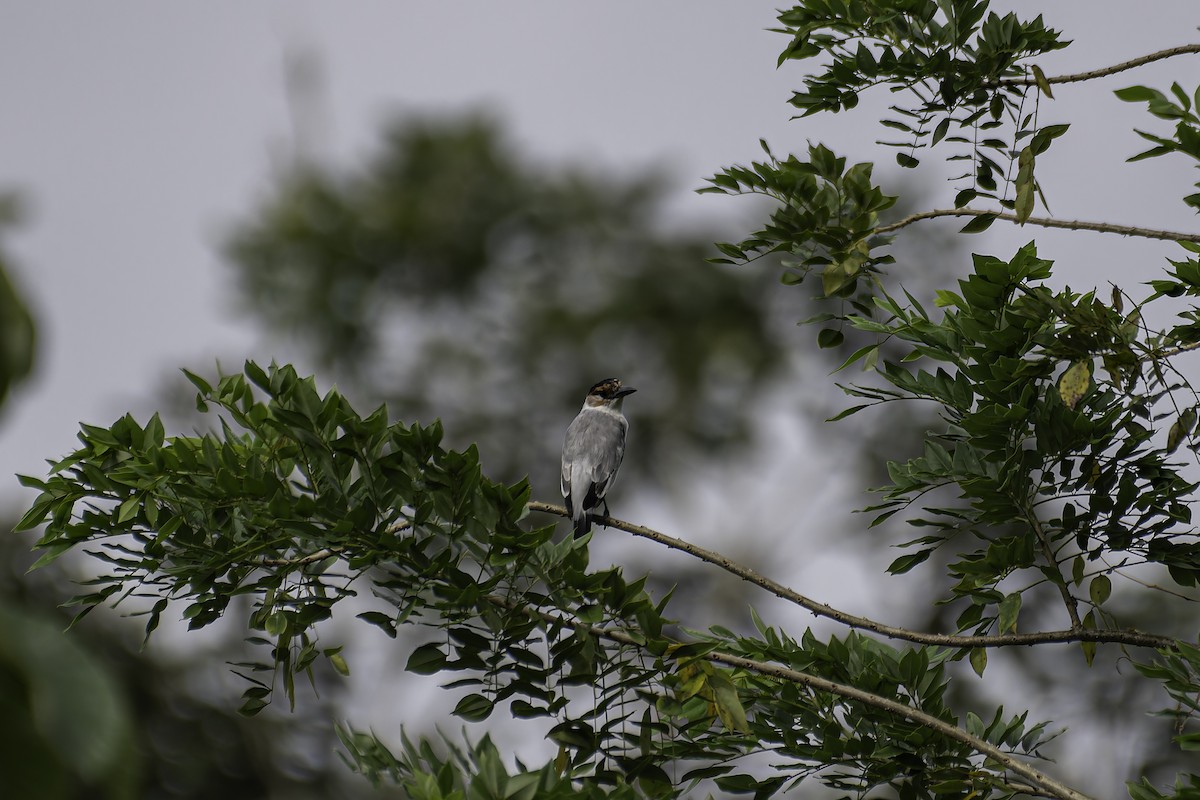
(1052, 563)
(1045, 222)
(1105, 71)
(1171, 351)
(1127, 637)
(1010, 762)
(326, 552)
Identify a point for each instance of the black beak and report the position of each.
(625, 391)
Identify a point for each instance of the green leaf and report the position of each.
(381, 621)
(198, 382)
(1185, 102)
(856, 355)
(1188, 741)
(50, 554)
(946, 299)
(1181, 429)
(978, 660)
(939, 132)
(906, 562)
(1089, 648)
(980, 224)
(276, 624)
(1025, 186)
(427, 659)
(1010, 607)
(836, 275)
(474, 708)
(848, 412)
(830, 337)
(128, 509)
(729, 706)
(1099, 589)
(1137, 94)
(34, 516)
(339, 663)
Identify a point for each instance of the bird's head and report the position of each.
(608, 393)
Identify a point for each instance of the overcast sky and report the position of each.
(139, 130)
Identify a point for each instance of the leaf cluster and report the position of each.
(962, 68)
(1060, 466)
(825, 218)
(1184, 111)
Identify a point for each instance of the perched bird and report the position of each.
(593, 450)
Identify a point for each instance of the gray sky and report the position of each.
(138, 130)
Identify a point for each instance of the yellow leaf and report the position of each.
(729, 705)
(1026, 185)
(1074, 383)
(1040, 78)
(1182, 427)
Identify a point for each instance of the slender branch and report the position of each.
(1045, 222)
(1170, 351)
(1105, 71)
(1125, 636)
(1010, 762)
(1052, 562)
(326, 552)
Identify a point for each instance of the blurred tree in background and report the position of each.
(16, 322)
(448, 276)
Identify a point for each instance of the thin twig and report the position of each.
(1008, 761)
(1052, 563)
(1125, 636)
(326, 552)
(1105, 71)
(1045, 222)
(1170, 351)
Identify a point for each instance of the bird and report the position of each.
(592, 451)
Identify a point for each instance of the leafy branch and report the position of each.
(1051, 786)
(1133, 63)
(1125, 637)
(1045, 222)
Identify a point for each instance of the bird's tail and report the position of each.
(583, 523)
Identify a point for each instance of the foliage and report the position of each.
(16, 321)
(299, 495)
(1187, 124)
(1063, 429)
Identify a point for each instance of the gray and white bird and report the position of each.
(593, 450)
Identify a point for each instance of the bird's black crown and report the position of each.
(609, 389)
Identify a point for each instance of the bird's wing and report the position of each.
(564, 481)
(595, 446)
